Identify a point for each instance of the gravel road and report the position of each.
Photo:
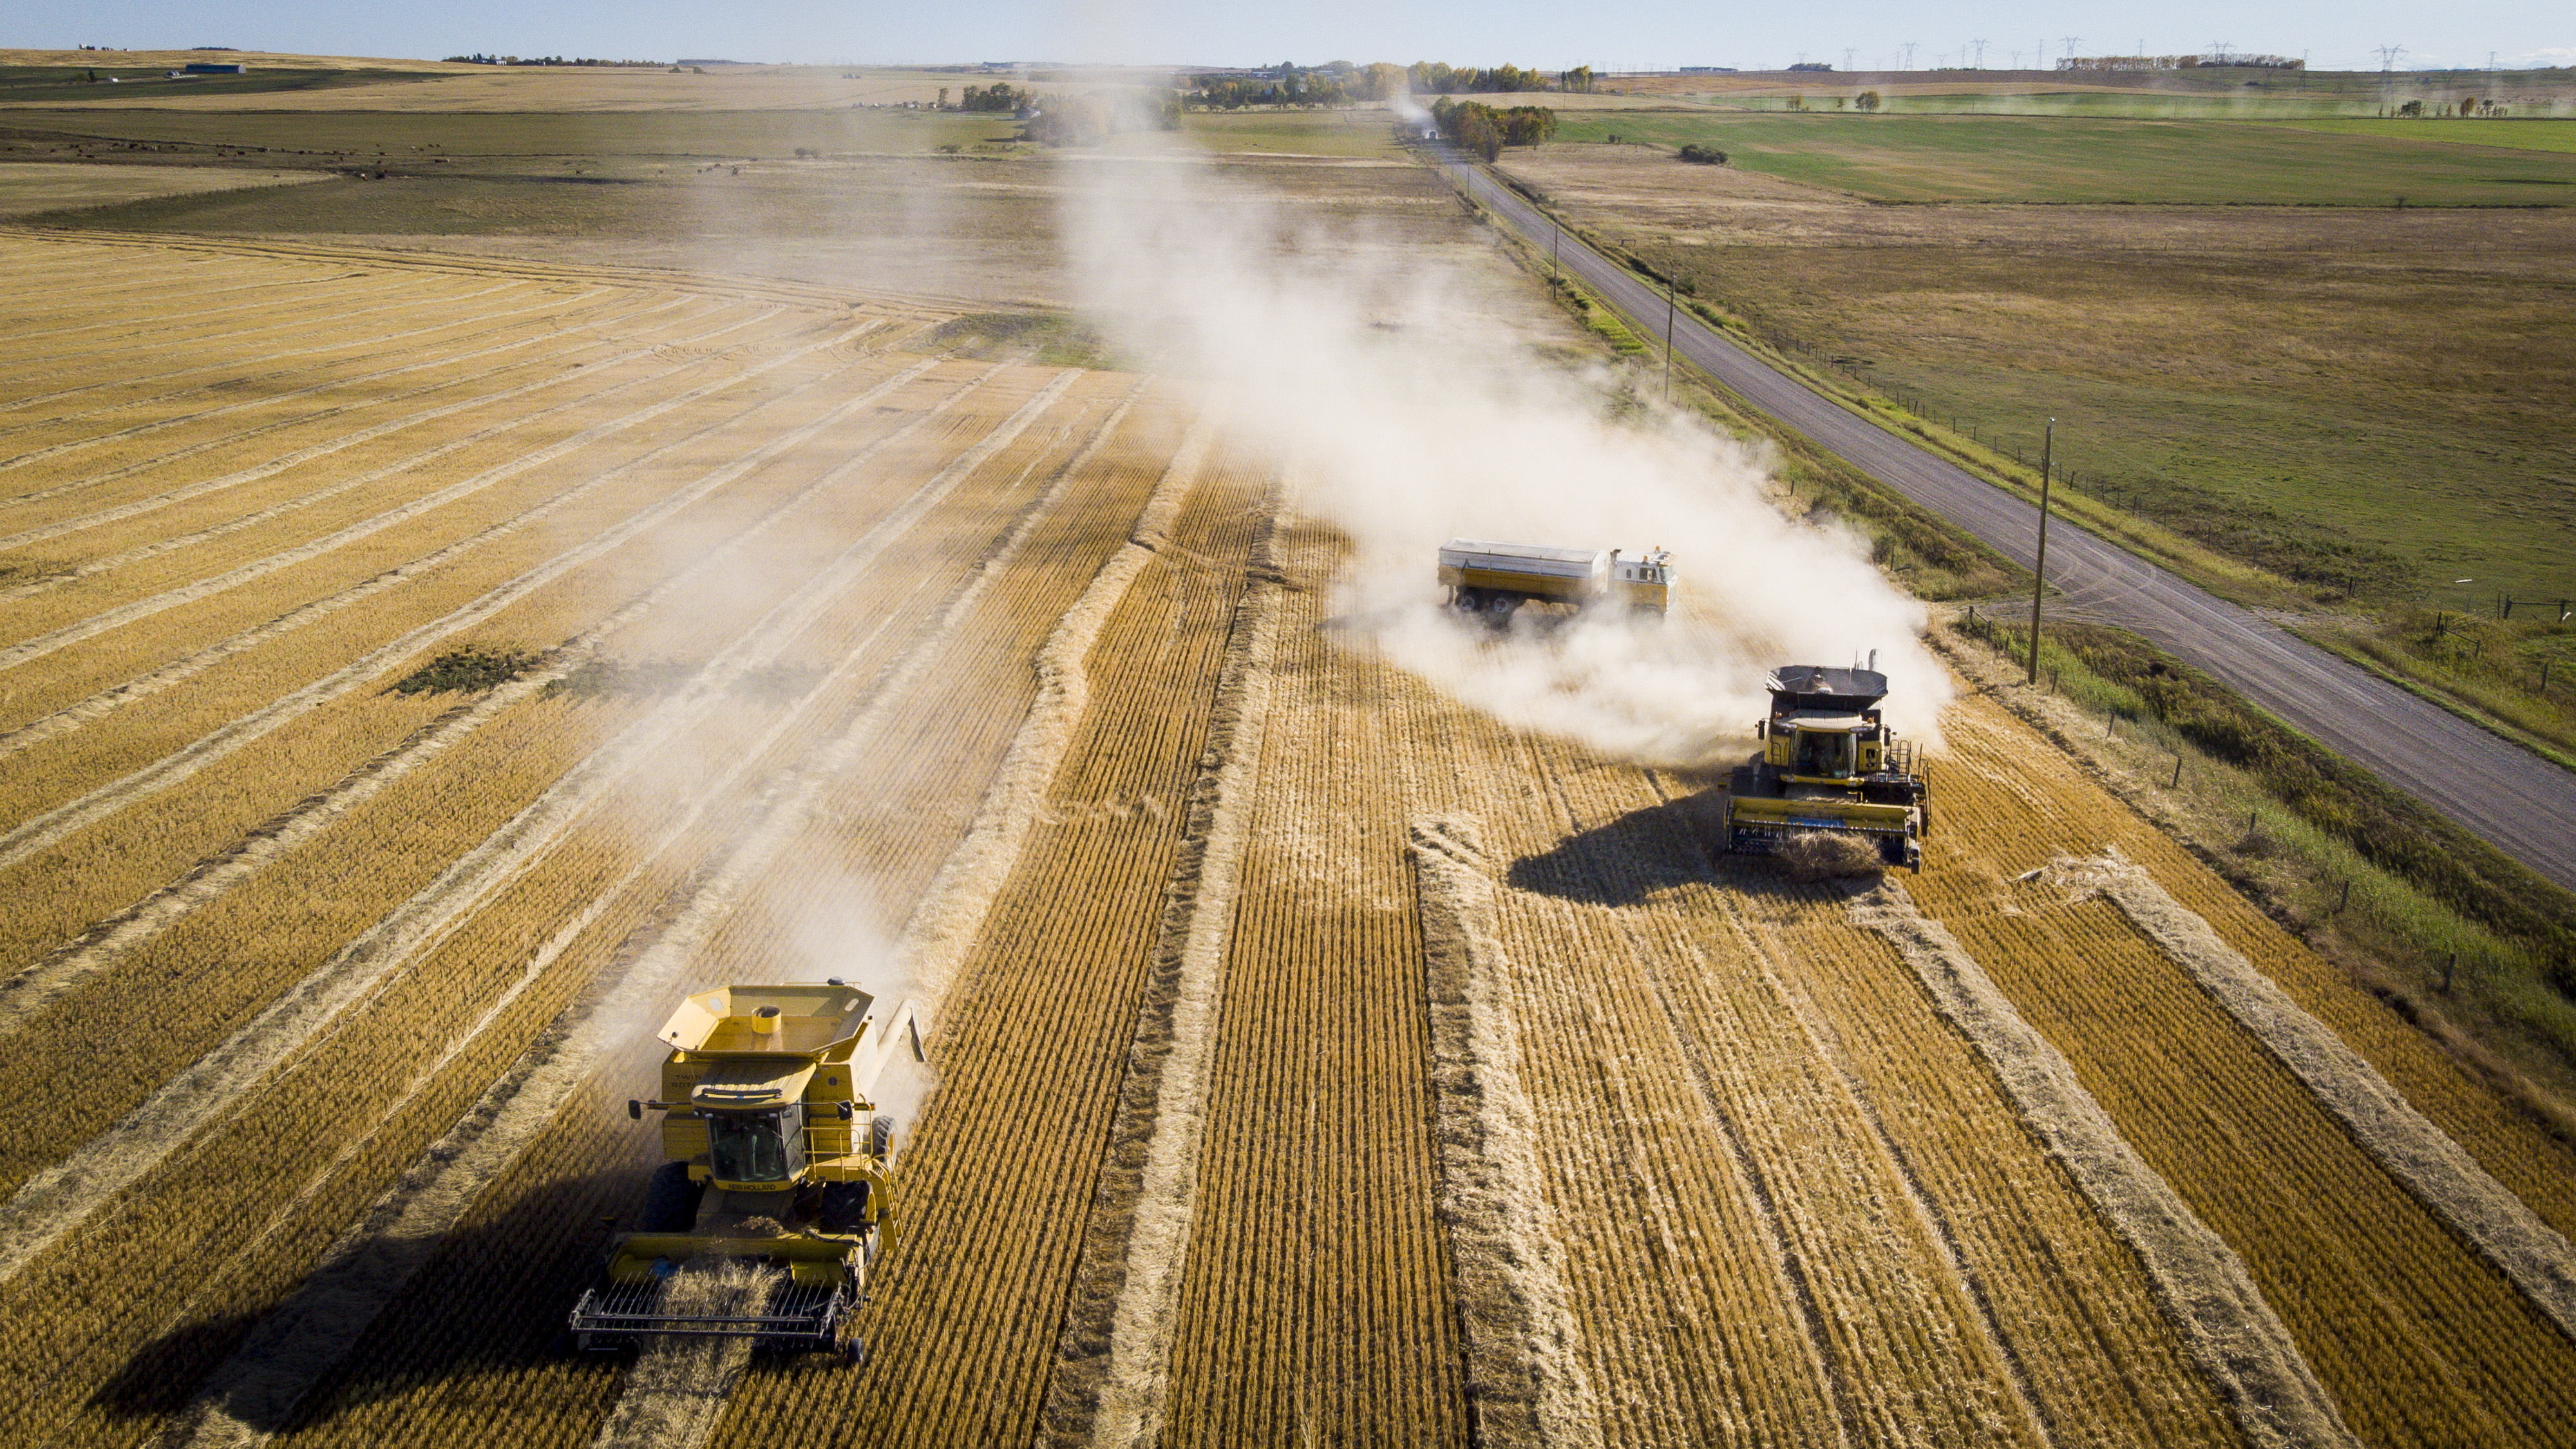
(2522, 804)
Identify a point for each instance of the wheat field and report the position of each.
(1317, 1060)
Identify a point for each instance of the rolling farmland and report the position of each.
(1318, 1061)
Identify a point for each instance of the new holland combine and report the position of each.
(777, 1158)
(1493, 580)
(1829, 765)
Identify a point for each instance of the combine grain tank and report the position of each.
(1494, 579)
(1828, 764)
(776, 1157)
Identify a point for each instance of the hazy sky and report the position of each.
(1642, 34)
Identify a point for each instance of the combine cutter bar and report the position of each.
(798, 1316)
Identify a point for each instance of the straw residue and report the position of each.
(2442, 1175)
(2239, 1343)
(1525, 1373)
(678, 1385)
(1114, 1355)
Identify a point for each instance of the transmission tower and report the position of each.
(1848, 53)
(2070, 42)
(1981, 53)
(2388, 55)
(1908, 48)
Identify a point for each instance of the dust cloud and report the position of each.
(1397, 397)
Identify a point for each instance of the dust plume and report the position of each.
(1388, 380)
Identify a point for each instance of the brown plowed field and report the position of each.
(323, 997)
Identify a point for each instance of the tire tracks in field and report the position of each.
(1526, 1381)
(42, 831)
(20, 404)
(297, 420)
(402, 1232)
(2234, 1336)
(41, 645)
(1113, 1355)
(196, 314)
(257, 471)
(88, 568)
(483, 324)
(57, 1199)
(143, 686)
(127, 931)
(2432, 1166)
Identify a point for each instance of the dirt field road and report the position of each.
(2516, 801)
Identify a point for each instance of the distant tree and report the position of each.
(1704, 155)
(1477, 127)
(1578, 80)
(943, 98)
(1865, 101)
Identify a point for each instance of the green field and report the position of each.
(2054, 159)
(149, 85)
(2511, 133)
(1292, 133)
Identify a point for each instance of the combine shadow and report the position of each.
(1634, 857)
(488, 1300)
(1630, 860)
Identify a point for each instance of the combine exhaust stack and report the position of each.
(766, 1111)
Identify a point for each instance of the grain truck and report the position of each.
(1829, 764)
(1492, 580)
(775, 1155)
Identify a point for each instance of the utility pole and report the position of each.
(1555, 238)
(2039, 570)
(1671, 305)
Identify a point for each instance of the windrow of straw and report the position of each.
(1525, 1368)
(2240, 1343)
(1113, 1358)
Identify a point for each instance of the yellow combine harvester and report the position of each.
(1492, 580)
(765, 1102)
(1828, 764)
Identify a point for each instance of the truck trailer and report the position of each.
(1493, 580)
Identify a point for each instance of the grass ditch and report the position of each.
(468, 670)
(1923, 551)
(2448, 930)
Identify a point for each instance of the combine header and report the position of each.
(1494, 579)
(765, 1101)
(1829, 765)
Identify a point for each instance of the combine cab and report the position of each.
(1829, 765)
(1493, 580)
(776, 1158)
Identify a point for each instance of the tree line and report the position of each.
(1475, 126)
(1340, 83)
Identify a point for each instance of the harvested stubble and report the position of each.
(930, 754)
(272, 666)
(2415, 1337)
(2025, 806)
(1316, 1307)
(998, 1174)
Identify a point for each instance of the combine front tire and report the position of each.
(845, 1207)
(671, 1200)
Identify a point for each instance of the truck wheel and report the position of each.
(671, 1200)
(1468, 601)
(881, 1134)
(845, 1207)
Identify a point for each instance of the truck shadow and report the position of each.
(488, 1300)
